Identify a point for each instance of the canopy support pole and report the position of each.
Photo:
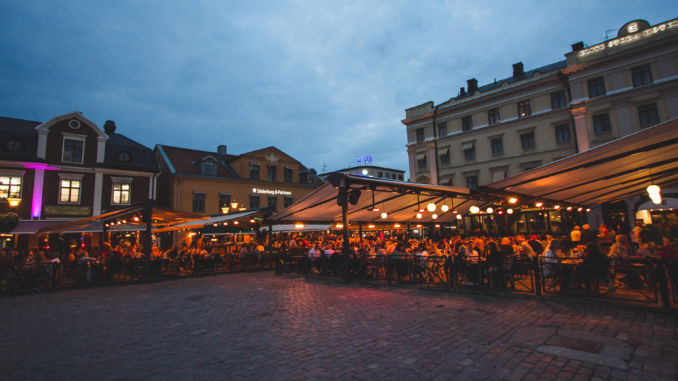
(344, 219)
(148, 241)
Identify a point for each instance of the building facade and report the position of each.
(372, 171)
(214, 183)
(69, 168)
(535, 117)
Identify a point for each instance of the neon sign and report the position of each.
(631, 38)
(271, 191)
(364, 159)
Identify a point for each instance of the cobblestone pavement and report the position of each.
(259, 326)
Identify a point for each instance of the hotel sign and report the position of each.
(631, 35)
(273, 192)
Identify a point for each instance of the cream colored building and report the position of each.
(534, 117)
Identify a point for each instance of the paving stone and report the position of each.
(259, 326)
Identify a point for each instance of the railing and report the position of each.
(649, 280)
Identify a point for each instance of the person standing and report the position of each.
(635, 234)
(575, 235)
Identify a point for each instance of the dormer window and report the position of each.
(14, 145)
(123, 156)
(73, 148)
(209, 167)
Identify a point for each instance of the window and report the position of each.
(69, 191)
(224, 201)
(442, 129)
(288, 201)
(380, 174)
(14, 145)
(209, 167)
(254, 201)
(254, 171)
(467, 123)
(469, 151)
(273, 202)
(289, 175)
(596, 87)
(387, 175)
(421, 134)
(648, 115)
(497, 146)
(121, 193)
(123, 156)
(400, 177)
(444, 156)
(558, 100)
(472, 181)
(272, 172)
(641, 75)
(524, 109)
(563, 133)
(198, 202)
(72, 152)
(10, 187)
(527, 141)
(498, 174)
(493, 116)
(601, 124)
(421, 161)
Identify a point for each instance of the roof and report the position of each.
(401, 202)
(186, 161)
(610, 172)
(140, 156)
(528, 74)
(24, 132)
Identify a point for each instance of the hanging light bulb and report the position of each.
(489, 210)
(569, 208)
(384, 214)
(431, 207)
(434, 216)
(444, 208)
(459, 216)
(474, 209)
(655, 194)
(396, 226)
(512, 200)
(556, 207)
(509, 211)
(539, 204)
(419, 215)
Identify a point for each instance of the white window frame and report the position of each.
(67, 136)
(121, 181)
(70, 177)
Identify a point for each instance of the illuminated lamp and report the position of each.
(489, 210)
(13, 202)
(418, 225)
(252, 221)
(437, 225)
(224, 209)
(235, 222)
(654, 192)
(509, 211)
(455, 212)
(444, 208)
(365, 172)
(396, 226)
(234, 205)
(225, 224)
(124, 221)
(588, 210)
(512, 200)
(419, 215)
(459, 216)
(298, 226)
(569, 208)
(135, 218)
(215, 225)
(539, 204)
(434, 216)
(474, 209)
(500, 212)
(580, 209)
(371, 226)
(384, 214)
(374, 208)
(556, 207)
(339, 226)
(431, 207)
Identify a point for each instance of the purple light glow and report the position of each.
(36, 206)
(40, 166)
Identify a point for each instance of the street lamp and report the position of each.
(13, 202)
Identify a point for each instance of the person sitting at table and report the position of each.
(620, 249)
(551, 254)
(670, 250)
(587, 236)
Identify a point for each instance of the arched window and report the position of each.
(209, 167)
(14, 145)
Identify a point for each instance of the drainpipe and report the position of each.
(435, 143)
(563, 78)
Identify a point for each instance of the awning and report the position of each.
(33, 226)
(466, 146)
(286, 228)
(200, 222)
(444, 151)
(421, 156)
(399, 200)
(610, 172)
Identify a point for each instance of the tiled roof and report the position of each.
(544, 69)
(187, 161)
(21, 130)
(140, 156)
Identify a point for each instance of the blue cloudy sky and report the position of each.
(324, 81)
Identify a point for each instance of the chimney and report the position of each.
(578, 46)
(518, 70)
(109, 127)
(462, 92)
(472, 85)
(221, 150)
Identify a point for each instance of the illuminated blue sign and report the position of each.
(364, 159)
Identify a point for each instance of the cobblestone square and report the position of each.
(259, 326)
